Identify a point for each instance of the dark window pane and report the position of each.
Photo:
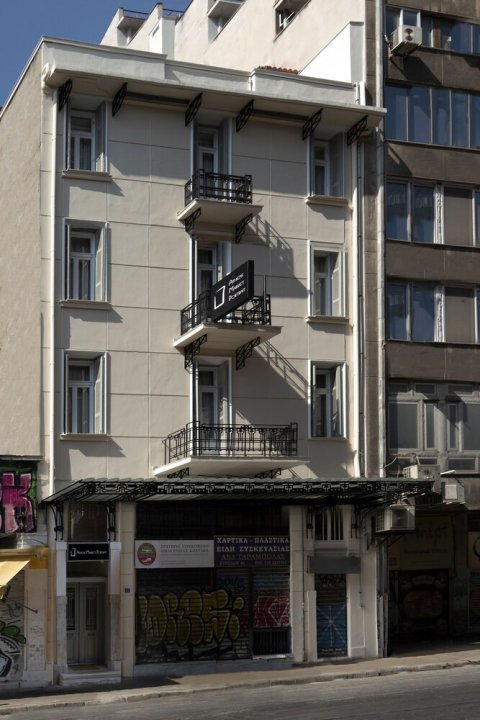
(445, 27)
(410, 17)
(392, 16)
(458, 220)
(396, 103)
(441, 116)
(397, 211)
(423, 314)
(475, 121)
(402, 426)
(461, 37)
(419, 129)
(423, 215)
(397, 312)
(460, 119)
(427, 27)
(476, 38)
(471, 427)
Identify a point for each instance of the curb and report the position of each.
(118, 696)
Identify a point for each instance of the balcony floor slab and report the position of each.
(221, 212)
(230, 466)
(225, 338)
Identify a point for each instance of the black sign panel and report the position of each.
(88, 551)
(233, 290)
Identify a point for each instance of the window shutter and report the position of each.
(66, 425)
(100, 389)
(66, 269)
(222, 375)
(66, 136)
(336, 274)
(336, 166)
(100, 265)
(336, 400)
(100, 138)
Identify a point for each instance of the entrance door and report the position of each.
(85, 637)
(331, 615)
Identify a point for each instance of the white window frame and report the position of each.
(96, 385)
(439, 318)
(334, 150)
(333, 373)
(335, 305)
(98, 260)
(97, 135)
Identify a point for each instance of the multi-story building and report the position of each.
(193, 348)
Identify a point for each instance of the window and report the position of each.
(326, 167)
(85, 394)
(327, 401)
(326, 283)
(86, 139)
(438, 422)
(437, 31)
(85, 266)
(329, 524)
(424, 313)
(428, 214)
(413, 312)
(433, 115)
(283, 18)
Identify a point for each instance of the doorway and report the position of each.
(85, 622)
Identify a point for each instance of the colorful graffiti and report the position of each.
(17, 501)
(194, 618)
(11, 639)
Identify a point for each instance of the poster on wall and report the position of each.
(249, 551)
(18, 498)
(153, 554)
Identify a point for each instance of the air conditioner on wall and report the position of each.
(452, 491)
(421, 472)
(395, 519)
(405, 39)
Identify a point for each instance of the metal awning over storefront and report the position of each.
(358, 491)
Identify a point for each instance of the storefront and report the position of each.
(222, 596)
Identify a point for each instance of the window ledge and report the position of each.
(327, 200)
(86, 304)
(327, 319)
(85, 437)
(87, 175)
(328, 439)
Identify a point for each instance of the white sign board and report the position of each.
(173, 553)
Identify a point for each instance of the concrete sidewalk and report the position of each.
(444, 658)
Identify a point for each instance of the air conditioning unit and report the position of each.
(421, 472)
(405, 39)
(452, 491)
(395, 519)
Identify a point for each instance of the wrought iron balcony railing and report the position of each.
(240, 441)
(255, 312)
(218, 186)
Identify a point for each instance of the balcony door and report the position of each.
(208, 270)
(207, 150)
(213, 405)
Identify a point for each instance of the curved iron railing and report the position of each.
(219, 186)
(254, 312)
(196, 439)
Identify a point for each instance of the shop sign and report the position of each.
(265, 551)
(173, 553)
(233, 290)
(88, 551)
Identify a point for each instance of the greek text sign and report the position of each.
(249, 551)
(173, 553)
(233, 290)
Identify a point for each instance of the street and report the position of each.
(441, 695)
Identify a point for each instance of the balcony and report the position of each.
(222, 199)
(249, 321)
(229, 450)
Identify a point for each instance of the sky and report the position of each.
(23, 23)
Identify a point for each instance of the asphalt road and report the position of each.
(440, 695)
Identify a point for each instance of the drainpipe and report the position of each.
(53, 169)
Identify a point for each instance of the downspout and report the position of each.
(360, 311)
(379, 54)
(53, 169)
